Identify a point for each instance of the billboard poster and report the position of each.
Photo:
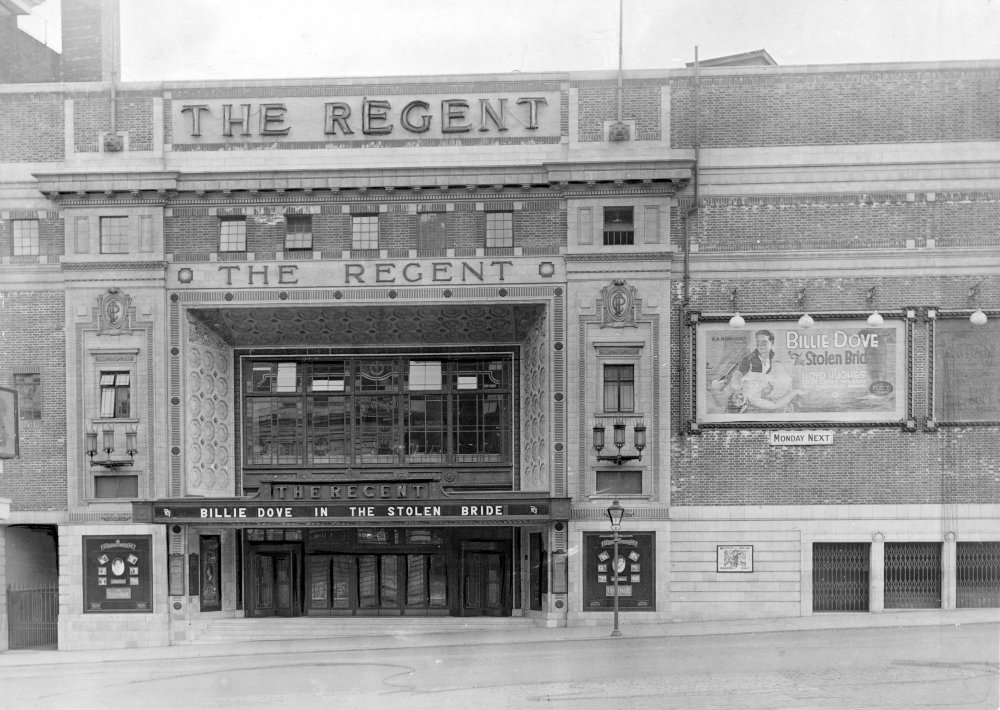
(8, 423)
(966, 358)
(836, 371)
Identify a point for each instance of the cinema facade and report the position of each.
(350, 348)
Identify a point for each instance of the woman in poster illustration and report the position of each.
(757, 382)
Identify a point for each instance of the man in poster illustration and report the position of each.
(836, 371)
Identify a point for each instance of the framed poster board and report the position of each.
(966, 359)
(635, 568)
(117, 574)
(8, 423)
(211, 553)
(734, 558)
(838, 371)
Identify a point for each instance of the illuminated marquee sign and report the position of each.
(360, 511)
(361, 119)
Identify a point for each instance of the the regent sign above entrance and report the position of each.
(365, 118)
(450, 272)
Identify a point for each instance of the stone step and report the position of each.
(282, 628)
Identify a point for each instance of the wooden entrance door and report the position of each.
(274, 585)
(485, 579)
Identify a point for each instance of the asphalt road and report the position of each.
(953, 667)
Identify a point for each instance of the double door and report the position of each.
(274, 583)
(379, 584)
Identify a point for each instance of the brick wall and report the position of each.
(83, 39)
(23, 59)
(904, 106)
(599, 103)
(92, 117)
(34, 342)
(31, 127)
(539, 226)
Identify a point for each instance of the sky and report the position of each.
(254, 39)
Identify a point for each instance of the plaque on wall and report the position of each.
(966, 358)
(117, 574)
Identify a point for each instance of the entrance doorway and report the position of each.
(376, 584)
(485, 579)
(274, 588)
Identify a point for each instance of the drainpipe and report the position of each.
(686, 242)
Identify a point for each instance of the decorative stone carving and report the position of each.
(114, 316)
(618, 305)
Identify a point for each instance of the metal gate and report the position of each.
(978, 572)
(840, 576)
(913, 575)
(32, 616)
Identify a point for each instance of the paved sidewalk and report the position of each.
(396, 637)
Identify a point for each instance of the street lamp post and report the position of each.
(615, 513)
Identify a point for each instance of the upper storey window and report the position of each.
(26, 241)
(619, 226)
(233, 234)
(114, 235)
(432, 233)
(499, 229)
(298, 232)
(364, 232)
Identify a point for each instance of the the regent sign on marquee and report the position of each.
(370, 273)
(362, 119)
(837, 371)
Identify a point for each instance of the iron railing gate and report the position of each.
(32, 616)
(840, 576)
(978, 572)
(913, 575)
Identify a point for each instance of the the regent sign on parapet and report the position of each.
(367, 118)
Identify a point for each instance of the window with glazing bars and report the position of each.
(298, 232)
(26, 241)
(114, 235)
(431, 232)
(116, 393)
(364, 232)
(232, 234)
(499, 229)
(619, 227)
(619, 388)
(378, 410)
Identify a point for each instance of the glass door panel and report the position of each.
(389, 584)
(318, 582)
(416, 582)
(343, 581)
(437, 583)
(367, 582)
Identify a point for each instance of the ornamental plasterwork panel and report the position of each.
(209, 434)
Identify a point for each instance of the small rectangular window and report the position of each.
(114, 235)
(298, 232)
(233, 234)
(499, 229)
(424, 376)
(431, 234)
(619, 483)
(116, 486)
(619, 388)
(26, 242)
(116, 391)
(364, 232)
(29, 395)
(619, 226)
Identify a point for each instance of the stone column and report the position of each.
(949, 563)
(4, 631)
(876, 575)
